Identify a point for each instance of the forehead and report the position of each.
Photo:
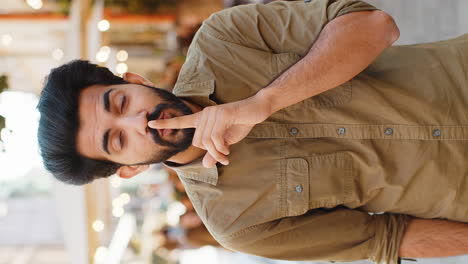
(90, 110)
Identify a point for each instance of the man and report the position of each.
(293, 126)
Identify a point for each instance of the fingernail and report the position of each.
(225, 163)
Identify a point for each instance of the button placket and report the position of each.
(296, 178)
(341, 131)
(299, 188)
(294, 131)
(389, 131)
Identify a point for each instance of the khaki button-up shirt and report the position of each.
(333, 177)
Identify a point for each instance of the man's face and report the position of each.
(113, 124)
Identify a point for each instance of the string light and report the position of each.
(35, 4)
(120, 201)
(121, 68)
(103, 25)
(103, 54)
(124, 198)
(98, 225)
(116, 182)
(105, 49)
(122, 55)
(117, 202)
(57, 54)
(118, 211)
(6, 40)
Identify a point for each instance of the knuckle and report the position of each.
(205, 139)
(217, 157)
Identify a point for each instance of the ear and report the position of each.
(130, 171)
(135, 78)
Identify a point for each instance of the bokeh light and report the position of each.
(98, 225)
(103, 25)
(57, 54)
(7, 39)
(121, 68)
(122, 55)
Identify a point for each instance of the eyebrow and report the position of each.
(106, 100)
(105, 141)
(105, 138)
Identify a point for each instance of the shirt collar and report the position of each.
(198, 93)
(196, 171)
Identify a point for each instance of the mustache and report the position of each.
(154, 132)
(157, 112)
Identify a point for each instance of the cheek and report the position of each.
(145, 101)
(145, 146)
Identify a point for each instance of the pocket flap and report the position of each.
(297, 193)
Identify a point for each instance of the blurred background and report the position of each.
(146, 219)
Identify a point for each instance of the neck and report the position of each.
(192, 153)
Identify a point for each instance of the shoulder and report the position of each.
(238, 17)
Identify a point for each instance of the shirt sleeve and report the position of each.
(279, 27)
(328, 235)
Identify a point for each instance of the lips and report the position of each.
(163, 132)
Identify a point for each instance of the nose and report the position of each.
(137, 122)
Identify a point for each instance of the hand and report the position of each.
(217, 127)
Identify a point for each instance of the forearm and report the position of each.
(345, 47)
(429, 238)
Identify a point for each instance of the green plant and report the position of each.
(63, 6)
(141, 6)
(3, 83)
(3, 87)
(2, 126)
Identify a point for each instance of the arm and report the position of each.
(345, 37)
(345, 47)
(430, 238)
(338, 234)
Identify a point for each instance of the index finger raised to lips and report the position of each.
(185, 121)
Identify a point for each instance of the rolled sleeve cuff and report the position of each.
(389, 230)
(340, 8)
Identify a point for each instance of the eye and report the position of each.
(121, 139)
(122, 105)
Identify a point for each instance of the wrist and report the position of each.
(262, 104)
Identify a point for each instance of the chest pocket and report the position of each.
(333, 97)
(317, 181)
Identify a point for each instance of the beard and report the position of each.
(179, 139)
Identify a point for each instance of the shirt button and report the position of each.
(294, 131)
(436, 132)
(341, 130)
(299, 188)
(389, 131)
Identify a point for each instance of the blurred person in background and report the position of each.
(293, 127)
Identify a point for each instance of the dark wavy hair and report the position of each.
(59, 122)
